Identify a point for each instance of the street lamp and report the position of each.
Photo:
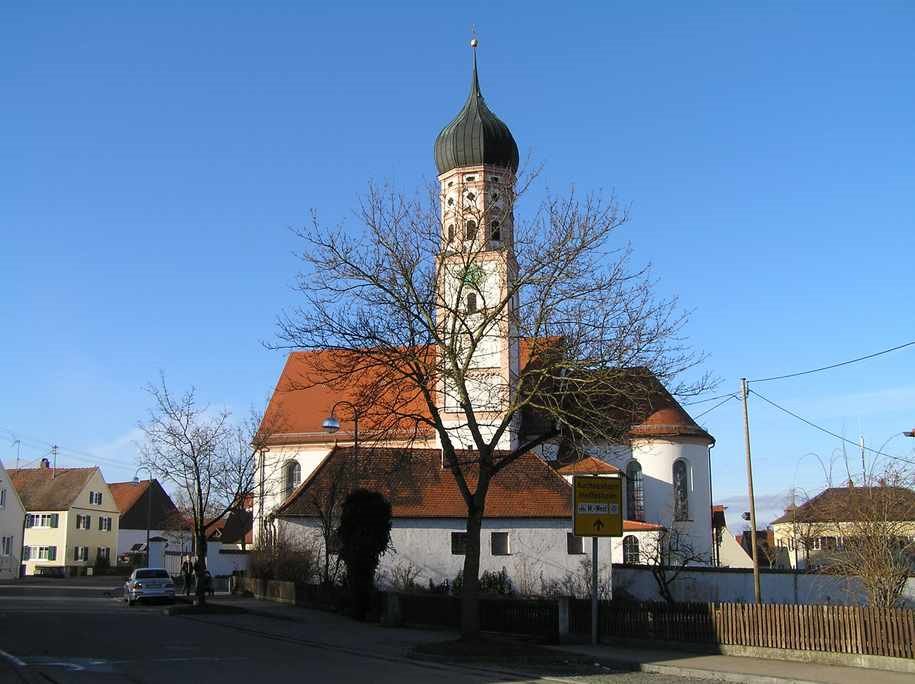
(136, 483)
(331, 425)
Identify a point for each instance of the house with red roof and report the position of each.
(141, 503)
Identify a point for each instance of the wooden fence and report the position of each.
(833, 629)
(512, 616)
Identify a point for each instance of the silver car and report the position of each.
(148, 583)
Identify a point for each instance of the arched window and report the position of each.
(630, 550)
(681, 491)
(635, 492)
(450, 232)
(293, 476)
(471, 302)
(495, 232)
(470, 230)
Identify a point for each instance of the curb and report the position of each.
(608, 663)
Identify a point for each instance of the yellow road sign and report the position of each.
(597, 506)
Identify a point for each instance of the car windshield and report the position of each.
(152, 574)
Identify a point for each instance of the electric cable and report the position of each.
(835, 365)
(827, 431)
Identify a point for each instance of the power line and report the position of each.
(726, 400)
(829, 432)
(75, 454)
(835, 365)
(705, 401)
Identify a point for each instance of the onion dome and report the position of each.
(476, 136)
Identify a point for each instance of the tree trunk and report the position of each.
(470, 587)
(201, 589)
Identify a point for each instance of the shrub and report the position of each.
(365, 534)
(285, 561)
(404, 576)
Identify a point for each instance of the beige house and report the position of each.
(71, 520)
(12, 518)
(816, 532)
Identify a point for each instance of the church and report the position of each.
(320, 436)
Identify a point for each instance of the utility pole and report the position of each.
(746, 438)
(54, 468)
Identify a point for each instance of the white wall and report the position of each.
(732, 554)
(271, 466)
(657, 458)
(127, 538)
(12, 515)
(538, 548)
(736, 586)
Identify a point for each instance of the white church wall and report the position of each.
(538, 548)
(308, 456)
(657, 458)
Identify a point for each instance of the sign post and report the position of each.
(597, 511)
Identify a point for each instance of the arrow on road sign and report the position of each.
(598, 525)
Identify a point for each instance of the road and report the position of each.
(84, 633)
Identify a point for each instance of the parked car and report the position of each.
(148, 583)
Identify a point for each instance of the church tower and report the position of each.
(477, 159)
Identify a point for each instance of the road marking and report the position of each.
(11, 658)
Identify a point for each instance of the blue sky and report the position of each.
(155, 156)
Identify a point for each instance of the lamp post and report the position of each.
(331, 425)
(136, 483)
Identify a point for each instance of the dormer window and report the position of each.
(470, 230)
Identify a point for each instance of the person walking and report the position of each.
(186, 571)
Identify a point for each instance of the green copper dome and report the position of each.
(476, 136)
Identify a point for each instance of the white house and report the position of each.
(12, 526)
(664, 456)
(525, 528)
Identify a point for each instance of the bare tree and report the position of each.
(391, 300)
(328, 504)
(207, 458)
(668, 554)
(866, 529)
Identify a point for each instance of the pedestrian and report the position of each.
(186, 571)
(208, 583)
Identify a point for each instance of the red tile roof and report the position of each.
(417, 486)
(589, 465)
(126, 494)
(300, 404)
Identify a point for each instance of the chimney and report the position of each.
(45, 463)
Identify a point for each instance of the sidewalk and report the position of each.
(725, 668)
(335, 631)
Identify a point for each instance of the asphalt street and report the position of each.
(85, 633)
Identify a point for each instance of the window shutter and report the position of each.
(52, 551)
(55, 518)
(99, 498)
(28, 521)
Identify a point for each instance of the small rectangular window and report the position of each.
(574, 545)
(470, 178)
(458, 543)
(500, 546)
